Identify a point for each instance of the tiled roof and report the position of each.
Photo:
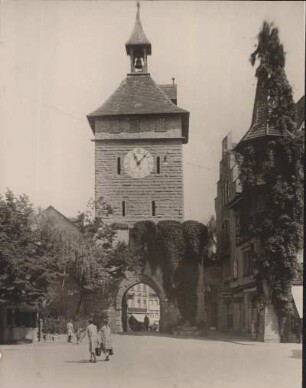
(138, 37)
(61, 223)
(137, 94)
(170, 90)
(260, 126)
(260, 130)
(264, 129)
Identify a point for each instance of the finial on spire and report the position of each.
(138, 37)
(138, 47)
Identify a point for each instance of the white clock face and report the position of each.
(138, 163)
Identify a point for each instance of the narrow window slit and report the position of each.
(153, 208)
(158, 165)
(118, 166)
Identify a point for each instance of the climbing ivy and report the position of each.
(177, 249)
(196, 237)
(171, 250)
(143, 243)
(279, 164)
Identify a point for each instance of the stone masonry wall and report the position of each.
(166, 188)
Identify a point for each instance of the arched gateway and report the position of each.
(169, 313)
(128, 283)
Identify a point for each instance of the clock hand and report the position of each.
(142, 158)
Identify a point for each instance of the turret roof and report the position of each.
(138, 37)
(260, 126)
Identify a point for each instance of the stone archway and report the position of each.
(131, 280)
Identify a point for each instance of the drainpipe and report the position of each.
(203, 289)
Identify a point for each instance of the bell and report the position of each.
(138, 64)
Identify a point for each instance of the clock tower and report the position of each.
(139, 132)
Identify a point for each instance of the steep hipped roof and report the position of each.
(138, 37)
(260, 121)
(137, 94)
(260, 126)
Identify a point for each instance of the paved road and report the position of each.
(153, 362)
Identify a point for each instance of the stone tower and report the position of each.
(139, 132)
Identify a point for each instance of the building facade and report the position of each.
(237, 299)
(142, 301)
(18, 322)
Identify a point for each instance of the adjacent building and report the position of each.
(239, 308)
(18, 322)
(142, 301)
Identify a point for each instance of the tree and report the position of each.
(43, 263)
(27, 255)
(96, 262)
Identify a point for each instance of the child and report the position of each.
(79, 334)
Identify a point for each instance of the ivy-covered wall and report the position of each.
(176, 248)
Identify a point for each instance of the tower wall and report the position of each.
(165, 188)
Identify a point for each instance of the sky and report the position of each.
(60, 60)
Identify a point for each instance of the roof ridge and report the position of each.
(60, 214)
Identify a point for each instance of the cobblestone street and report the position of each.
(153, 361)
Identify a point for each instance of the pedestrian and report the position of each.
(297, 328)
(146, 323)
(40, 329)
(69, 331)
(93, 340)
(253, 329)
(79, 335)
(106, 340)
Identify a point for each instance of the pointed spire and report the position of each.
(138, 12)
(261, 109)
(138, 37)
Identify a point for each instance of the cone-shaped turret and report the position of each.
(138, 47)
(138, 37)
(260, 126)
